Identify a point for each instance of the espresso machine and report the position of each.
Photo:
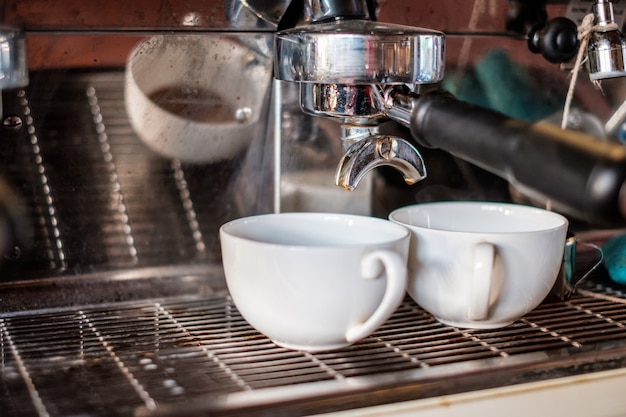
(130, 133)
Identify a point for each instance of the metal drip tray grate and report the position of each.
(197, 356)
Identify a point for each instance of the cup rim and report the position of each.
(563, 221)
(400, 231)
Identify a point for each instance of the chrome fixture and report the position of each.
(343, 66)
(13, 67)
(606, 50)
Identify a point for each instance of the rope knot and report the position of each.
(586, 26)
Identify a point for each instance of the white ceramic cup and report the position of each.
(315, 281)
(195, 97)
(479, 264)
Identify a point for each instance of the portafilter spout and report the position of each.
(365, 150)
(342, 67)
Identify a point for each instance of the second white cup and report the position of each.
(481, 265)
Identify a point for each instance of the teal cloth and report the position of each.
(614, 258)
(498, 83)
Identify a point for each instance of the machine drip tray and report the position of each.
(189, 355)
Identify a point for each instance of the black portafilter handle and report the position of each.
(575, 171)
(557, 40)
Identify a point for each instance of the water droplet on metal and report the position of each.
(243, 114)
(15, 253)
(12, 122)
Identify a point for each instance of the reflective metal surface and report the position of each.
(341, 65)
(375, 151)
(268, 10)
(99, 199)
(607, 47)
(359, 52)
(321, 10)
(568, 279)
(13, 65)
(350, 104)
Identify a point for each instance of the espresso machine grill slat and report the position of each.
(141, 358)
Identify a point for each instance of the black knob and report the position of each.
(557, 41)
(523, 15)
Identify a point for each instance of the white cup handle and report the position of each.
(482, 278)
(394, 292)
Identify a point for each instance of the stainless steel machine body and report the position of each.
(112, 296)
